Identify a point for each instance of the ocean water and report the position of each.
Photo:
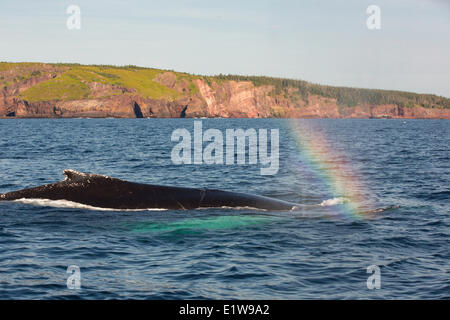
(373, 193)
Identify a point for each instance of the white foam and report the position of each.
(71, 204)
(333, 202)
(234, 208)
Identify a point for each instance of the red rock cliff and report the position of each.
(228, 99)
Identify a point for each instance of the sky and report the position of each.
(325, 42)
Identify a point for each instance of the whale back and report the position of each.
(107, 192)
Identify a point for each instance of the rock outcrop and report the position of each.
(198, 98)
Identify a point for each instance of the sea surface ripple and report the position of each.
(224, 253)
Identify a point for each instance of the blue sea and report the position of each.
(398, 222)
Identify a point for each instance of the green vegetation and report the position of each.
(343, 95)
(5, 66)
(208, 81)
(189, 79)
(18, 72)
(139, 79)
(72, 82)
(352, 96)
(64, 87)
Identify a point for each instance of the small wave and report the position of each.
(438, 195)
(71, 204)
(77, 205)
(378, 210)
(333, 202)
(232, 208)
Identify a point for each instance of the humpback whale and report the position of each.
(112, 193)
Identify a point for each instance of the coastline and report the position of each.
(75, 116)
(309, 118)
(39, 90)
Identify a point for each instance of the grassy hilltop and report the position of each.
(72, 84)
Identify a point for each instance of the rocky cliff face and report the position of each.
(9, 94)
(227, 99)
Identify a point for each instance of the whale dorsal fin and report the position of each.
(74, 175)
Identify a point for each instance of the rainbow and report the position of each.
(333, 170)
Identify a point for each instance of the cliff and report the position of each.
(66, 90)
